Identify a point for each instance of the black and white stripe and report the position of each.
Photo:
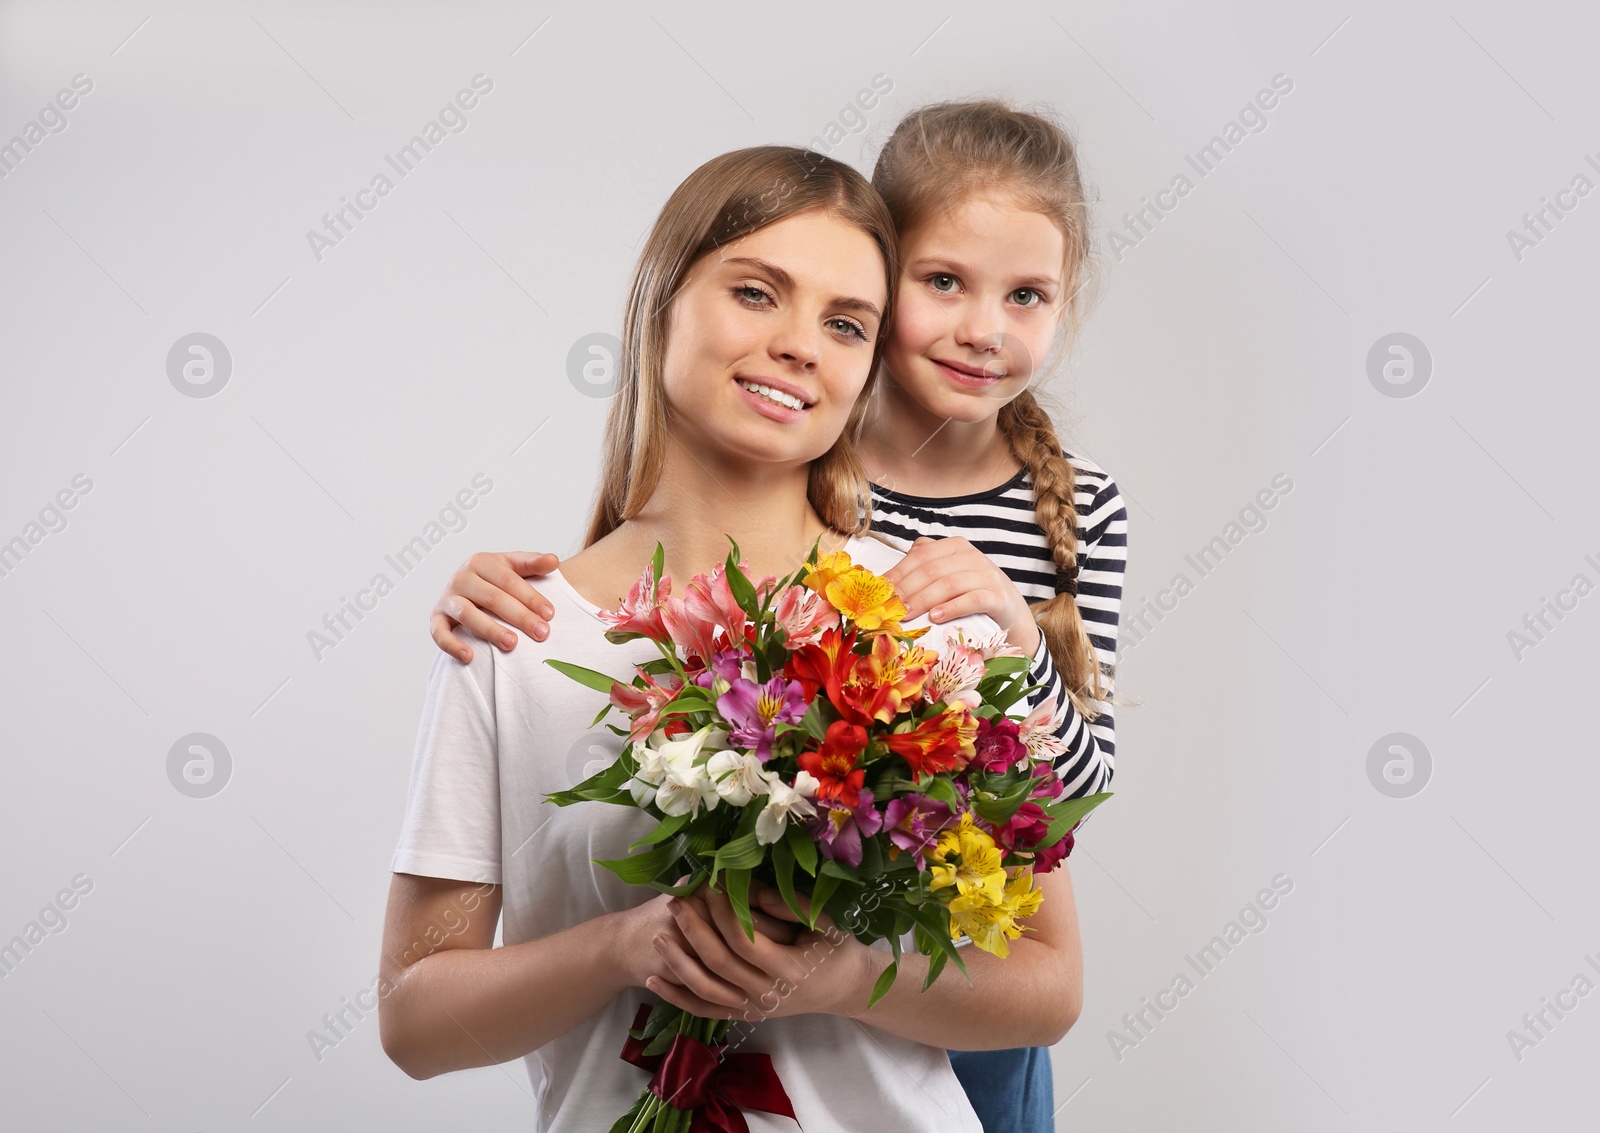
(1001, 523)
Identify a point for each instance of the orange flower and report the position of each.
(888, 678)
(940, 743)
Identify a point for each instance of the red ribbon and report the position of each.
(693, 1076)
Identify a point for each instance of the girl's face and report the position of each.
(980, 298)
(793, 307)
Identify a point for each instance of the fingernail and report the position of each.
(508, 641)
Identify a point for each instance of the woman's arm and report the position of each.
(492, 581)
(1030, 998)
(449, 1000)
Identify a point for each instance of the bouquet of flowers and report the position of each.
(793, 733)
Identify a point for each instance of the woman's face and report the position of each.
(793, 308)
(979, 301)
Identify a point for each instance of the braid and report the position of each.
(1031, 436)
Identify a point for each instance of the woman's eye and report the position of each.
(850, 327)
(942, 282)
(751, 294)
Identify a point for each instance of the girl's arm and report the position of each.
(1030, 998)
(492, 581)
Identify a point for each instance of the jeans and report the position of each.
(1011, 1090)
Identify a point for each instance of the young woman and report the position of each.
(966, 467)
(768, 268)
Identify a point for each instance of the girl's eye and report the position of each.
(750, 294)
(1027, 297)
(942, 283)
(850, 327)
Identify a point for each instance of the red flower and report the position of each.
(940, 743)
(834, 767)
(827, 665)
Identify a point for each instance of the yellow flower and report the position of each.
(992, 926)
(826, 569)
(977, 875)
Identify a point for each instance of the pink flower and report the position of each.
(644, 705)
(640, 612)
(1038, 732)
(694, 636)
(1047, 858)
(803, 614)
(998, 746)
(709, 598)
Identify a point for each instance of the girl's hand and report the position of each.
(952, 578)
(717, 972)
(492, 581)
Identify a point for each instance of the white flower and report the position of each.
(643, 793)
(737, 776)
(1037, 731)
(684, 784)
(784, 802)
(954, 678)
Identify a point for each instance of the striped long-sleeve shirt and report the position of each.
(1001, 523)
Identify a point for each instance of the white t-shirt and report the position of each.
(499, 734)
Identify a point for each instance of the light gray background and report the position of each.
(431, 345)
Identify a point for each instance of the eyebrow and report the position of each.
(959, 268)
(784, 279)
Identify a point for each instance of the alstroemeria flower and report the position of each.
(640, 612)
(685, 786)
(694, 636)
(1024, 830)
(737, 776)
(754, 711)
(997, 746)
(838, 829)
(955, 676)
(975, 871)
(803, 615)
(709, 599)
(827, 665)
(941, 743)
(644, 705)
(1046, 858)
(913, 822)
(1038, 732)
(868, 600)
(834, 765)
(992, 924)
(784, 802)
(888, 678)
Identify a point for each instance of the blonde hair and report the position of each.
(939, 157)
(725, 199)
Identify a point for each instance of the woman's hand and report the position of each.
(952, 578)
(717, 972)
(493, 581)
(645, 964)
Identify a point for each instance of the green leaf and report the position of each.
(884, 982)
(1067, 813)
(657, 565)
(744, 852)
(783, 871)
(804, 847)
(814, 720)
(669, 826)
(597, 681)
(736, 883)
(640, 869)
(1005, 666)
(826, 884)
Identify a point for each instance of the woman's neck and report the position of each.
(907, 449)
(698, 504)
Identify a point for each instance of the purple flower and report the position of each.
(725, 663)
(753, 712)
(914, 821)
(838, 829)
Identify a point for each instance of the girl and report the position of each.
(966, 467)
(768, 268)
